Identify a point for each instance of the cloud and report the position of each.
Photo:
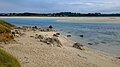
(59, 5)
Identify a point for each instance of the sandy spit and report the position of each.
(90, 19)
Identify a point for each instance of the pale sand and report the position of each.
(76, 19)
(32, 53)
(90, 19)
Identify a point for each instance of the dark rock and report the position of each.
(118, 57)
(39, 37)
(90, 43)
(32, 36)
(81, 35)
(53, 41)
(50, 27)
(68, 35)
(55, 35)
(78, 46)
(58, 33)
(69, 32)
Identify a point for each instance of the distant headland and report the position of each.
(62, 14)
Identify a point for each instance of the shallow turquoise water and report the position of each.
(104, 36)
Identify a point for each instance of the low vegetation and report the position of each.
(5, 31)
(7, 60)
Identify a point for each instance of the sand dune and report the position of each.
(33, 53)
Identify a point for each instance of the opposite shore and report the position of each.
(76, 19)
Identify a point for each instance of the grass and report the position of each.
(7, 60)
(5, 31)
(5, 27)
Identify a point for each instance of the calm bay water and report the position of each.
(104, 36)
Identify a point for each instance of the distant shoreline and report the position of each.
(74, 19)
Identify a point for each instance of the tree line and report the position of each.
(61, 14)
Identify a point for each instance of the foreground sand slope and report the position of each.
(33, 53)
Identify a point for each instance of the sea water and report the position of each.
(103, 36)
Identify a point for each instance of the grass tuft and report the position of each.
(7, 60)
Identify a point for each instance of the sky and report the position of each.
(51, 6)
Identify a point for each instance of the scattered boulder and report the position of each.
(118, 57)
(68, 35)
(55, 35)
(32, 36)
(90, 43)
(78, 46)
(17, 35)
(50, 27)
(53, 41)
(58, 33)
(81, 35)
(39, 36)
(69, 32)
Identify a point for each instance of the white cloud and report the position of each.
(60, 5)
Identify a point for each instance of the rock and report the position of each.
(90, 43)
(50, 27)
(78, 46)
(53, 41)
(58, 33)
(32, 36)
(17, 35)
(39, 37)
(68, 35)
(81, 35)
(55, 35)
(69, 32)
(118, 57)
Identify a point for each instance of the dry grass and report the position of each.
(5, 31)
(7, 60)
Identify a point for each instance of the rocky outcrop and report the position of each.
(53, 41)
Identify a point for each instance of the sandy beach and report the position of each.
(91, 19)
(33, 53)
